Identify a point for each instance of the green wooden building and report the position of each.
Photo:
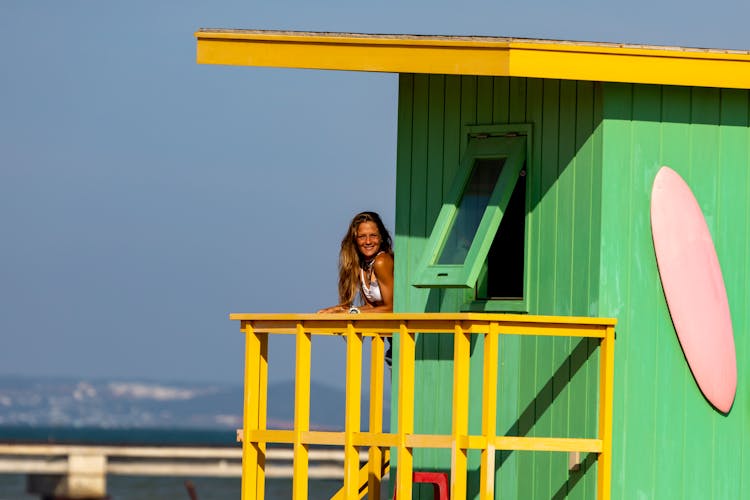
(580, 131)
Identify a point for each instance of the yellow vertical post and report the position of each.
(301, 412)
(353, 403)
(489, 413)
(606, 399)
(251, 463)
(377, 372)
(262, 413)
(405, 411)
(461, 351)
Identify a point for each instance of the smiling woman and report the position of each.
(365, 267)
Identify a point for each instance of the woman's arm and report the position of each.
(338, 308)
(383, 269)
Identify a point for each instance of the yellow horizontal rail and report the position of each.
(377, 326)
(387, 440)
(384, 324)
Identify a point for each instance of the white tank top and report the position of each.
(371, 292)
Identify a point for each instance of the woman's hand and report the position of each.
(337, 309)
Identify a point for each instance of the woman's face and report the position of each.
(368, 239)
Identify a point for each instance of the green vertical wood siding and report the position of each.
(669, 442)
(546, 385)
(595, 151)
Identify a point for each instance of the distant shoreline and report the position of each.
(18, 434)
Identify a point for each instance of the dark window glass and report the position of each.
(471, 208)
(505, 262)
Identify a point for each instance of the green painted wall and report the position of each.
(669, 442)
(596, 150)
(545, 384)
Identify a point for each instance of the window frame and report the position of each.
(482, 141)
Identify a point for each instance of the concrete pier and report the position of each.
(57, 472)
(85, 478)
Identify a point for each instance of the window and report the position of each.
(502, 277)
(479, 235)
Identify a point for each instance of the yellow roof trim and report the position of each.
(489, 56)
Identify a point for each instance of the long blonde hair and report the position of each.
(351, 261)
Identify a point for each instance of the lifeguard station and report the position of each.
(505, 374)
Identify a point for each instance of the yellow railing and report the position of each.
(354, 328)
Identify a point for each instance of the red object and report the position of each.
(438, 479)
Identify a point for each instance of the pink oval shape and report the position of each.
(694, 287)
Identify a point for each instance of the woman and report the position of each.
(365, 267)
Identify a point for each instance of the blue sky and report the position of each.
(144, 197)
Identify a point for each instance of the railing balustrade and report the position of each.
(354, 328)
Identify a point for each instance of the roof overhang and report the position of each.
(488, 56)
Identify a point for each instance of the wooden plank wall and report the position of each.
(669, 442)
(547, 386)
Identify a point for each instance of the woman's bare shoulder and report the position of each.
(383, 261)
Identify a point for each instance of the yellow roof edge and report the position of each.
(437, 40)
(492, 56)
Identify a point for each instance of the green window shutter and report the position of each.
(468, 220)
